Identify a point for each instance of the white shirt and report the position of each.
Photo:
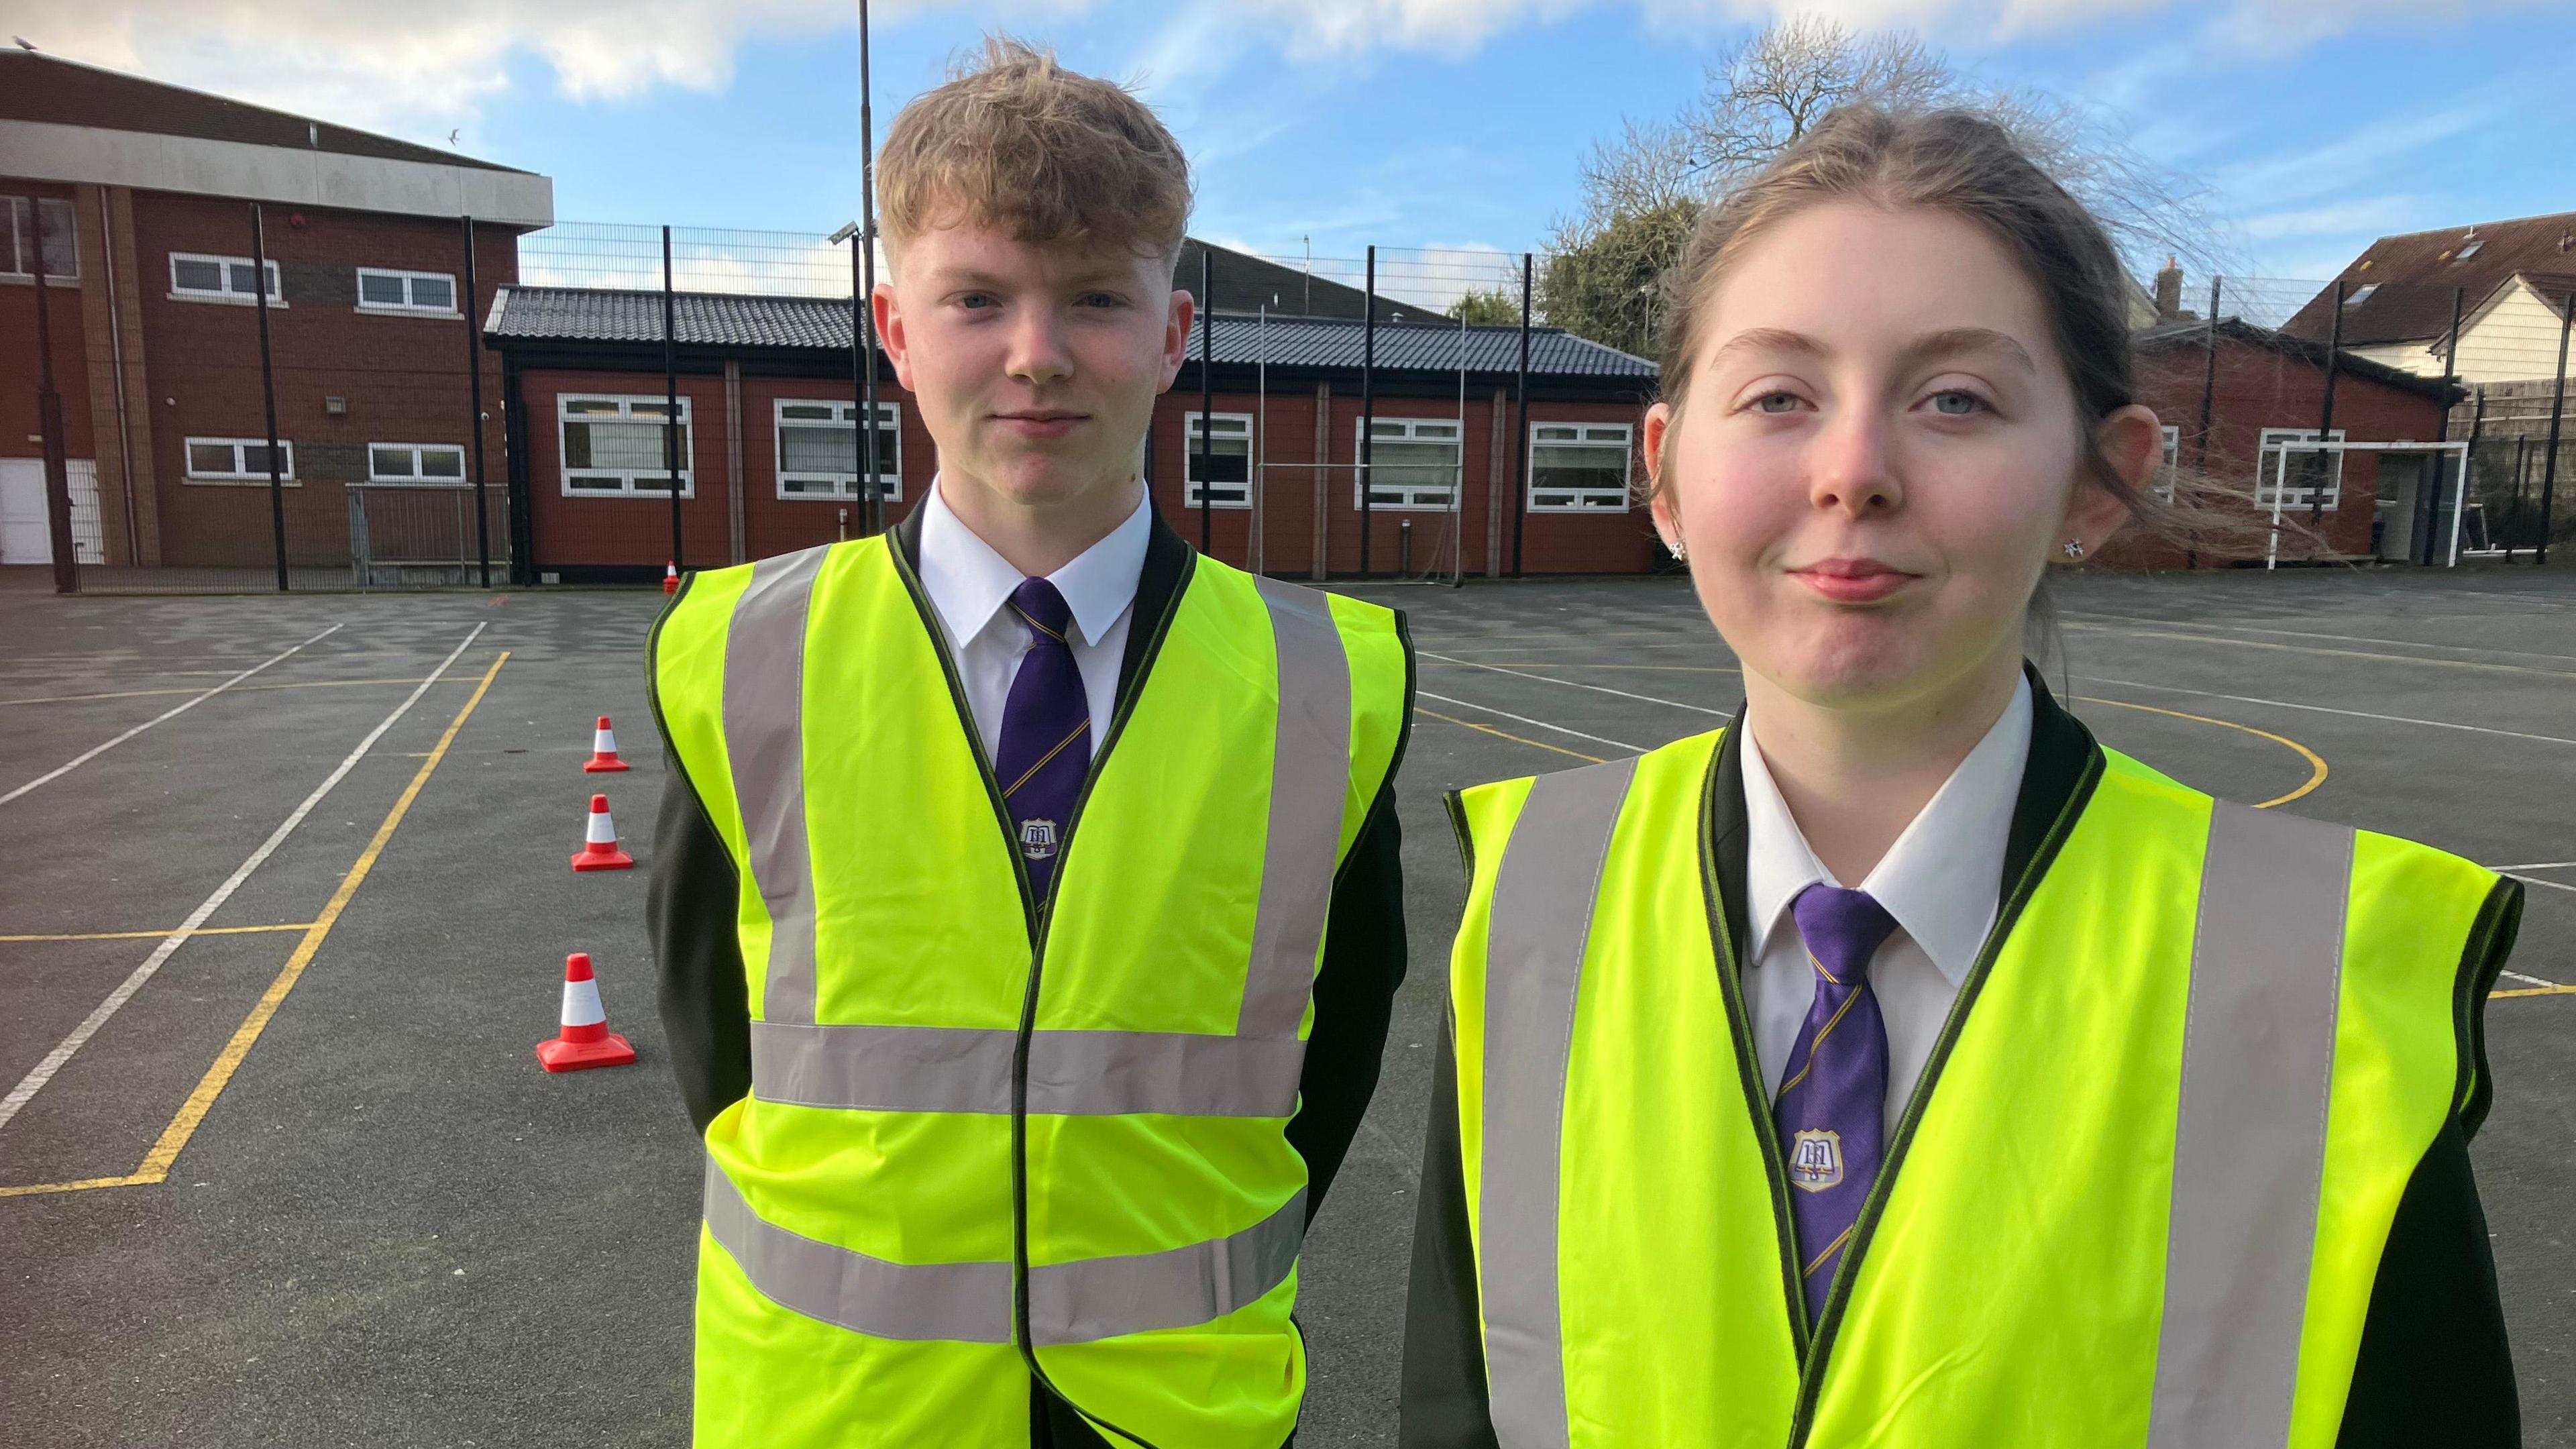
(1942, 880)
(969, 584)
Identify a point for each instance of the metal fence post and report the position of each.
(1207, 388)
(671, 398)
(874, 508)
(268, 390)
(474, 414)
(2208, 399)
(1368, 407)
(2325, 422)
(49, 424)
(2557, 408)
(2431, 507)
(1520, 427)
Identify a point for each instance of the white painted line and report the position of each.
(2526, 980)
(1525, 719)
(2439, 724)
(91, 754)
(2534, 865)
(1577, 684)
(2568, 675)
(2556, 885)
(2311, 634)
(34, 1082)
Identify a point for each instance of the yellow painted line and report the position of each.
(241, 689)
(2316, 762)
(164, 935)
(2535, 991)
(156, 1163)
(1501, 734)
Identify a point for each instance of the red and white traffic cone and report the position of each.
(603, 750)
(671, 577)
(584, 1040)
(599, 842)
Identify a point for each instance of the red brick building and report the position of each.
(2269, 386)
(769, 439)
(141, 195)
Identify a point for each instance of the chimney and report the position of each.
(2169, 292)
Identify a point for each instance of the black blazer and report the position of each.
(706, 1019)
(2434, 1367)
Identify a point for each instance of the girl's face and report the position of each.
(1877, 454)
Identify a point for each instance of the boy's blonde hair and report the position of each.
(1021, 144)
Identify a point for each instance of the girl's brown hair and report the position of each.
(1958, 162)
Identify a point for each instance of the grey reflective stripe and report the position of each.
(957, 1302)
(1544, 889)
(1071, 1073)
(1097, 1298)
(1310, 771)
(1078, 1302)
(764, 727)
(2249, 1141)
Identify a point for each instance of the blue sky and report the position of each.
(1408, 123)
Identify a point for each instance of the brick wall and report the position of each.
(20, 365)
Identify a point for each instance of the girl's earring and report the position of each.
(2074, 548)
(1681, 551)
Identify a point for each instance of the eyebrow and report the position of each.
(1948, 342)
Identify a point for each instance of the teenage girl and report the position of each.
(1898, 1066)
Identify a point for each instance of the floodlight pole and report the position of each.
(2430, 515)
(474, 409)
(49, 425)
(2557, 408)
(2460, 500)
(865, 334)
(2208, 395)
(268, 386)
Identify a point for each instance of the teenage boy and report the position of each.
(1027, 904)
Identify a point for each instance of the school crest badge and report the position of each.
(1816, 1160)
(1037, 839)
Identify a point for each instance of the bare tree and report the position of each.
(1768, 91)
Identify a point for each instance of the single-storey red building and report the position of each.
(768, 440)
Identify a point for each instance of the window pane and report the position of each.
(437, 292)
(887, 443)
(591, 405)
(389, 462)
(630, 446)
(241, 283)
(210, 458)
(596, 484)
(577, 445)
(1228, 460)
(1412, 465)
(818, 448)
(823, 412)
(197, 276)
(255, 459)
(442, 462)
(378, 290)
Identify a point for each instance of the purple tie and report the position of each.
(1046, 734)
(1832, 1106)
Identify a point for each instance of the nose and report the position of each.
(1852, 466)
(1037, 354)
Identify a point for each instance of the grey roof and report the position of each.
(586, 314)
(2196, 334)
(37, 87)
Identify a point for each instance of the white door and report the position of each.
(25, 537)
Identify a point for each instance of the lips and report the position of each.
(1852, 580)
(1040, 422)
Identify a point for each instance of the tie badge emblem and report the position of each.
(1816, 1160)
(1037, 838)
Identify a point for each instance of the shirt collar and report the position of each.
(1942, 877)
(968, 582)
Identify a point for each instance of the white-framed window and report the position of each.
(1415, 461)
(612, 446)
(432, 463)
(1579, 467)
(2360, 294)
(2307, 473)
(1226, 481)
(380, 290)
(196, 277)
(18, 233)
(818, 449)
(2164, 489)
(237, 460)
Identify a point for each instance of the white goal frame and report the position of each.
(2281, 480)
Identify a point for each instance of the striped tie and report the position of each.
(1833, 1102)
(1046, 734)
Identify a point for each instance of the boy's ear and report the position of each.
(1179, 315)
(890, 333)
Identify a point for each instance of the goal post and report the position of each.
(2273, 479)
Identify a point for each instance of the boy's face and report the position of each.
(1035, 366)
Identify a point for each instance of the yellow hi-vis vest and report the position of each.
(2136, 1202)
(988, 1137)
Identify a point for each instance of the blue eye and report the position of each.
(1956, 404)
(976, 300)
(1788, 402)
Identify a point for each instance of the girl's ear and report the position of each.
(1659, 498)
(2132, 441)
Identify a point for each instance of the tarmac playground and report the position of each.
(284, 904)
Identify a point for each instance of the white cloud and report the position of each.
(2371, 215)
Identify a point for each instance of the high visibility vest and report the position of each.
(987, 1136)
(2138, 1198)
